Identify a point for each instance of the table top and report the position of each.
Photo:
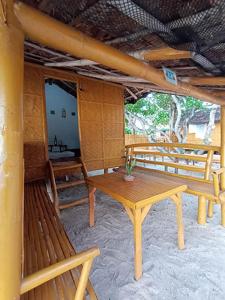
(144, 190)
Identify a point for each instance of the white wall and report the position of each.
(198, 129)
(65, 129)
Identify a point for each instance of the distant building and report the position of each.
(198, 125)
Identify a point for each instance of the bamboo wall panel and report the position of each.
(101, 111)
(34, 124)
(135, 139)
(101, 121)
(92, 136)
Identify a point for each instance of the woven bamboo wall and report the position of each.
(135, 139)
(101, 121)
(34, 128)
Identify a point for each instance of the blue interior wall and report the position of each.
(65, 129)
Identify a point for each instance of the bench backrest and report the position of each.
(183, 160)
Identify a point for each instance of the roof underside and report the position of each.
(132, 25)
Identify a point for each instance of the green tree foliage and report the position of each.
(162, 112)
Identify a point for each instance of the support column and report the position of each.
(222, 144)
(11, 151)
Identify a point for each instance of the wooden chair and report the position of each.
(52, 269)
(64, 169)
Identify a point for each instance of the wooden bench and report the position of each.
(200, 177)
(52, 269)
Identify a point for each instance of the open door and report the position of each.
(62, 120)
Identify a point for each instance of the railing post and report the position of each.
(222, 145)
(11, 151)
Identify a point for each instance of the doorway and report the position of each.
(62, 119)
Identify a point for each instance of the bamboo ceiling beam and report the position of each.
(166, 54)
(50, 32)
(210, 81)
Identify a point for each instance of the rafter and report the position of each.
(131, 93)
(112, 78)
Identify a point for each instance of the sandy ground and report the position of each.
(197, 272)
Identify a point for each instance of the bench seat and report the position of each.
(198, 188)
(45, 244)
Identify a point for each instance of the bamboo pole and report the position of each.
(50, 32)
(11, 153)
(166, 54)
(210, 81)
(222, 154)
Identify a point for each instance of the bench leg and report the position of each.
(92, 206)
(223, 214)
(201, 210)
(137, 243)
(178, 201)
(210, 209)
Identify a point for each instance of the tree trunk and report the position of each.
(210, 125)
(178, 118)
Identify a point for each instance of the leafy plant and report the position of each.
(130, 164)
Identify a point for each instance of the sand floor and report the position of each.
(197, 272)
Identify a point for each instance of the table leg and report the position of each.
(137, 243)
(178, 201)
(92, 206)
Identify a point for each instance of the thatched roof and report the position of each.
(133, 25)
(202, 117)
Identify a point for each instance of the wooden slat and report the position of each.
(55, 251)
(74, 203)
(177, 155)
(66, 167)
(175, 145)
(37, 235)
(65, 185)
(172, 165)
(52, 246)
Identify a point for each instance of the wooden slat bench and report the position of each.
(201, 180)
(52, 269)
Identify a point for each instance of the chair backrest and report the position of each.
(183, 160)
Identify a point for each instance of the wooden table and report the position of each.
(137, 197)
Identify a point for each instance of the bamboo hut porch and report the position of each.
(103, 75)
(167, 271)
